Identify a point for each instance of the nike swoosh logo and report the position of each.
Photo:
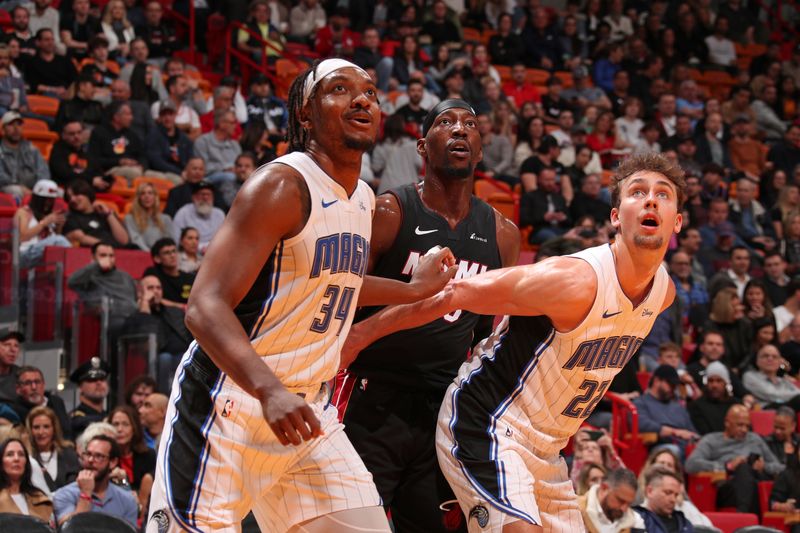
(606, 314)
(424, 231)
(328, 204)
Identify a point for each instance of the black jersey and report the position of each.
(428, 357)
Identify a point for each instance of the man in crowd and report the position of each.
(9, 353)
(244, 168)
(142, 123)
(775, 278)
(785, 155)
(663, 487)
(661, 413)
(607, 506)
(187, 118)
(263, 105)
(92, 380)
(151, 414)
(711, 348)
(708, 412)
(742, 455)
(82, 107)
(69, 159)
(737, 275)
(90, 222)
(159, 36)
(48, 73)
(413, 112)
(168, 148)
(181, 195)
(498, 152)
(783, 441)
(31, 393)
(92, 491)
(218, 149)
(200, 214)
(21, 164)
(545, 209)
(175, 284)
(115, 148)
(752, 220)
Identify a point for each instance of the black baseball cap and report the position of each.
(202, 184)
(668, 374)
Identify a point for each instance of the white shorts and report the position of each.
(498, 479)
(218, 459)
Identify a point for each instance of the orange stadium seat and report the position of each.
(471, 34)
(43, 105)
(566, 79)
(537, 76)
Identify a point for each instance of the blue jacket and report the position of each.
(653, 523)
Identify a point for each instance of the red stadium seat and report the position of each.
(762, 422)
(730, 522)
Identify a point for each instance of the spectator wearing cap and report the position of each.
(168, 148)
(554, 103)
(200, 214)
(742, 455)
(77, 27)
(92, 380)
(10, 342)
(40, 223)
(157, 33)
(263, 105)
(21, 164)
(784, 441)
(143, 74)
(70, 161)
(88, 221)
(661, 413)
(92, 491)
(82, 107)
(708, 411)
(115, 148)
(305, 19)
(187, 119)
(753, 222)
(218, 149)
(32, 393)
(166, 322)
(48, 73)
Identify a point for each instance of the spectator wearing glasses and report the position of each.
(92, 492)
(31, 394)
(771, 389)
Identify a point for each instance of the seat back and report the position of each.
(95, 522)
(730, 522)
(21, 522)
(762, 422)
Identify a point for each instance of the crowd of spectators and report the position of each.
(562, 94)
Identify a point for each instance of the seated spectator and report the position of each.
(40, 225)
(658, 511)
(742, 455)
(13, 96)
(768, 120)
(200, 214)
(498, 152)
(649, 142)
(103, 70)
(727, 317)
(180, 195)
(255, 141)
(218, 149)
(115, 148)
(157, 33)
(187, 119)
(48, 73)
(264, 106)
(9, 354)
(770, 389)
(166, 322)
(784, 441)
(518, 90)
(194, 96)
(54, 462)
(756, 302)
(584, 93)
(92, 491)
(92, 380)
(304, 20)
(545, 209)
(117, 29)
(189, 253)
(710, 148)
(395, 160)
(785, 155)
(661, 413)
(244, 168)
(607, 506)
(687, 156)
(594, 448)
(139, 389)
(70, 161)
(145, 222)
(629, 126)
(691, 292)
(21, 164)
(588, 201)
(604, 139)
(708, 411)
(786, 201)
(168, 148)
(689, 102)
(258, 22)
(143, 74)
(223, 101)
(334, 39)
(82, 107)
(721, 51)
(786, 489)
(90, 222)
(546, 156)
(589, 475)
(31, 394)
(135, 458)
(42, 16)
(152, 414)
(667, 459)
(77, 27)
(747, 154)
(175, 283)
(18, 495)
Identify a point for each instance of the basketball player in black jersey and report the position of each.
(390, 396)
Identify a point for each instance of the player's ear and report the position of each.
(678, 222)
(615, 218)
(305, 116)
(421, 149)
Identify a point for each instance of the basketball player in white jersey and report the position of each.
(576, 320)
(249, 425)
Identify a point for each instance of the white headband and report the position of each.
(322, 70)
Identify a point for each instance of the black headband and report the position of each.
(440, 108)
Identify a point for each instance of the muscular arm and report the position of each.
(268, 208)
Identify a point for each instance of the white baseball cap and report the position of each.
(47, 189)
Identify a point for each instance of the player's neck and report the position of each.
(448, 197)
(343, 166)
(635, 272)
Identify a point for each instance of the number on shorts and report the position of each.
(335, 307)
(594, 393)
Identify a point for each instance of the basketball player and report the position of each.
(397, 384)
(576, 320)
(269, 310)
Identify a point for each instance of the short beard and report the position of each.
(458, 173)
(652, 242)
(362, 145)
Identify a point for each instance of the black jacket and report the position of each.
(54, 402)
(167, 324)
(67, 469)
(159, 151)
(68, 164)
(87, 111)
(102, 145)
(533, 207)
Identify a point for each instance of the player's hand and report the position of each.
(433, 272)
(290, 418)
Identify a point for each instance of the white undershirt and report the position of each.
(21, 502)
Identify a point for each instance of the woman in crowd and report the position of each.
(629, 125)
(789, 245)
(407, 59)
(146, 223)
(136, 459)
(505, 121)
(139, 389)
(54, 462)
(589, 475)
(18, 495)
(189, 253)
(667, 458)
(763, 333)
(530, 137)
(788, 202)
(444, 62)
(756, 301)
(598, 450)
(40, 224)
(117, 29)
(768, 383)
(786, 489)
(604, 139)
(727, 317)
(255, 139)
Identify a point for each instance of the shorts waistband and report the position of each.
(311, 393)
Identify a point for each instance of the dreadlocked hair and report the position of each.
(297, 135)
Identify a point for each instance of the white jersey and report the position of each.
(544, 383)
(300, 308)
